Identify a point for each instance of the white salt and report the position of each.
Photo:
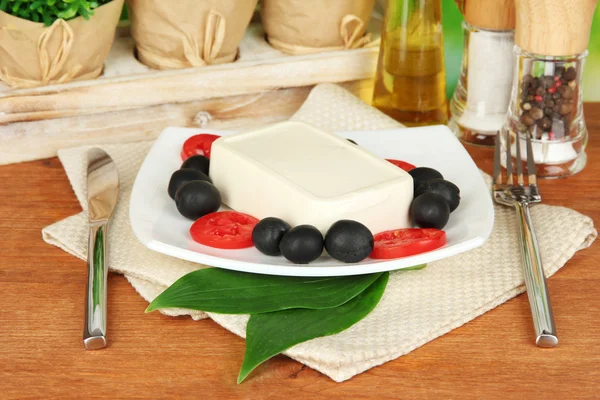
(489, 80)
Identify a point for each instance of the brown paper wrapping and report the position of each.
(32, 54)
(310, 26)
(188, 33)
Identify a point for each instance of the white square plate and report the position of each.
(159, 226)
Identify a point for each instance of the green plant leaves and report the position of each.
(231, 292)
(269, 334)
(48, 11)
(285, 311)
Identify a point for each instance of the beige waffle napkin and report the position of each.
(417, 307)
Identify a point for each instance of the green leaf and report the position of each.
(49, 11)
(231, 292)
(415, 268)
(269, 334)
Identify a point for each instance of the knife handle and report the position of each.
(94, 331)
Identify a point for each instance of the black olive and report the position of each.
(197, 198)
(423, 174)
(349, 241)
(448, 190)
(198, 162)
(302, 244)
(430, 210)
(183, 176)
(267, 235)
(352, 141)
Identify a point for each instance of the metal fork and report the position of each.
(521, 196)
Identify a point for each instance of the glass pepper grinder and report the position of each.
(482, 95)
(411, 78)
(546, 102)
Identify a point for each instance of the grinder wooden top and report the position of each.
(497, 15)
(554, 27)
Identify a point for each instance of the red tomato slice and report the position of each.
(407, 242)
(198, 145)
(402, 164)
(224, 230)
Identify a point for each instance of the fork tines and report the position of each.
(531, 170)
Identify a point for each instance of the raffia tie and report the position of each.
(52, 70)
(196, 55)
(350, 28)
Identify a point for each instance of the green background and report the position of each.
(453, 42)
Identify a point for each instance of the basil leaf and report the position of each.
(269, 334)
(232, 292)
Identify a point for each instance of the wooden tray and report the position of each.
(133, 102)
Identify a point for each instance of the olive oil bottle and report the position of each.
(411, 78)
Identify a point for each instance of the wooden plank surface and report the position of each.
(153, 356)
(34, 140)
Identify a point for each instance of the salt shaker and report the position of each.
(482, 95)
(546, 104)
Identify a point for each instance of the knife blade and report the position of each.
(102, 196)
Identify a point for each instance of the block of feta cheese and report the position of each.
(304, 175)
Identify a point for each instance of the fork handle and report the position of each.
(535, 281)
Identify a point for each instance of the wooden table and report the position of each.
(153, 356)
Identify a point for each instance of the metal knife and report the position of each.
(102, 195)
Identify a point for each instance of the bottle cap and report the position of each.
(554, 27)
(497, 15)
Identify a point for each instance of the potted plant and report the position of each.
(311, 26)
(188, 33)
(46, 42)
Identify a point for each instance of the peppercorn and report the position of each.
(556, 96)
(566, 109)
(546, 123)
(570, 74)
(547, 81)
(526, 106)
(536, 113)
(566, 92)
(526, 119)
(548, 111)
(538, 98)
(549, 103)
(539, 91)
(527, 79)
